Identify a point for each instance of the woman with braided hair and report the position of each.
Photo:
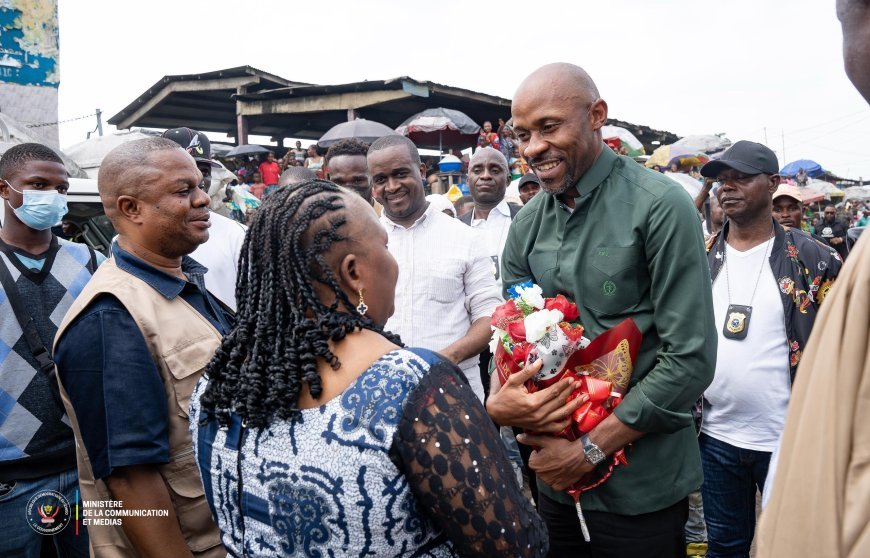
(317, 434)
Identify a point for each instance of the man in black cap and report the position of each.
(768, 283)
(199, 147)
(220, 254)
(833, 231)
(528, 187)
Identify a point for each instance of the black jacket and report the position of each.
(830, 231)
(804, 269)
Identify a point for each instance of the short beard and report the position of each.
(566, 185)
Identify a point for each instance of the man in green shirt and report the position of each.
(622, 242)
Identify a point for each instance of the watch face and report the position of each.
(595, 456)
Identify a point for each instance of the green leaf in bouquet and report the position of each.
(524, 307)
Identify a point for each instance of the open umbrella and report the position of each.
(438, 126)
(620, 137)
(811, 168)
(690, 185)
(89, 154)
(683, 156)
(818, 190)
(246, 150)
(361, 129)
(858, 193)
(705, 143)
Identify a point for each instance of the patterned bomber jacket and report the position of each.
(804, 269)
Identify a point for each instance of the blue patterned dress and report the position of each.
(405, 462)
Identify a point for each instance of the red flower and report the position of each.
(562, 304)
(521, 351)
(517, 331)
(505, 314)
(574, 333)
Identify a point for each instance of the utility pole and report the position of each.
(765, 135)
(100, 122)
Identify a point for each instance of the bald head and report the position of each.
(488, 153)
(126, 169)
(488, 178)
(295, 175)
(561, 78)
(557, 114)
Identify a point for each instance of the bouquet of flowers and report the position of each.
(529, 327)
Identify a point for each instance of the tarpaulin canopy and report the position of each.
(811, 168)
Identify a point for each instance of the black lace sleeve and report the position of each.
(459, 471)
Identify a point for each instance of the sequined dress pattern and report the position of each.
(387, 468)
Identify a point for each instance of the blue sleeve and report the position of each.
(115, 389)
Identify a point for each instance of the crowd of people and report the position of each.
(319, 382)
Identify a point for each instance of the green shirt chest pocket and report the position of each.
(612, 281)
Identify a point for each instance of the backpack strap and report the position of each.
(92, 262)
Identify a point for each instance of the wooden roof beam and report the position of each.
(318, 103)
(185, 87)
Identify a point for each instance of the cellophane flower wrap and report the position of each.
(529, 327)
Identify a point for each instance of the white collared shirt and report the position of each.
(495, 230)
(220, 254)
(445, 284)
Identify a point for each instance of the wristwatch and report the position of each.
(594, 455)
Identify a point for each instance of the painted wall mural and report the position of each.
(29, 42)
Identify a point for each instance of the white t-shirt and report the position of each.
(220, 254)
(746, 403)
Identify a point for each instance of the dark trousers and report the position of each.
(732, 476)
(658, 534)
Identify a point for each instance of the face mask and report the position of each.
(40, 209)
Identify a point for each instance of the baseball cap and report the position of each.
(196, 143)
(529, 177)
(744, 156)
(789, 191)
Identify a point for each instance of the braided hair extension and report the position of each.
(282, 326)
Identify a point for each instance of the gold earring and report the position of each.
(361, 307)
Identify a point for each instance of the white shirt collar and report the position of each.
(502, 208)
(391, 225)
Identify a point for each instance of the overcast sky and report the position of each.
(686, 66)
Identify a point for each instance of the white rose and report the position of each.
(533, 296)
(497, 336)
(537, 323)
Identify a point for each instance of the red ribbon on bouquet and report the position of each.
(604, 371)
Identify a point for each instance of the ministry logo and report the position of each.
(48, 512)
